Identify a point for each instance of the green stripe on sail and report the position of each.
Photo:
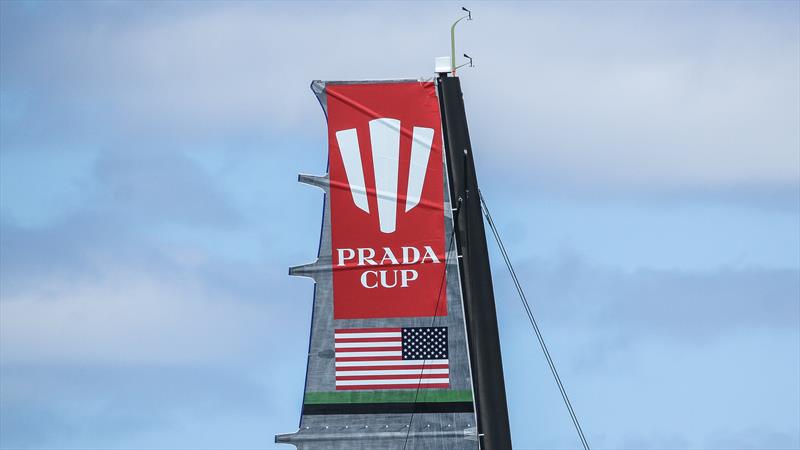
(424, 396)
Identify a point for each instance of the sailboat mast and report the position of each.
(476, 279)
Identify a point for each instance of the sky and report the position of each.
(641, 160)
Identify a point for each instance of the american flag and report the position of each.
(391, 358)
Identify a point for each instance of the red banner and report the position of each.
(387, 216)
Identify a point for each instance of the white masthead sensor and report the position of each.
(443, 64)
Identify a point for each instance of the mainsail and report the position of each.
(388, 361)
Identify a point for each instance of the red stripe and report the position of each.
(368, 349)
(373, 387)
(372, 358)
(391, 377)
(394, 339)
(416, 366)
(368, 330)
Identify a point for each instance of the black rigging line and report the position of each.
(433, 320)
(535, 325)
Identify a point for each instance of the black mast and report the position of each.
(476, 277)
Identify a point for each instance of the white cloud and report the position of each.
(126, 317)
(601, 95)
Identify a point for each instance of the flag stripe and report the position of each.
(389, 367)
(393, 386)
(354, 362)
(364, 374)
(392, 381)
(395, 381)
(342, 345)
(378, 351)
(365, 380)
(391, 335)
(370, 358)
(367, 330)
(370, 339)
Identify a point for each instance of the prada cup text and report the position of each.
(387, 278)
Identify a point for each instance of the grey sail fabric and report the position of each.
(388, 365)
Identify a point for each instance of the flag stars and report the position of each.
(424, 343)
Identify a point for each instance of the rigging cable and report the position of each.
(535, 325)
(442, 286)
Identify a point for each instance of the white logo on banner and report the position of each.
(385, 139)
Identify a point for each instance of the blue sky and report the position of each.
(642, 161)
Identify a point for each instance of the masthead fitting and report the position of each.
(468, 64)
(453, 41)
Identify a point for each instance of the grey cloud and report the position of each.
(66, 248)
(162, 187)
(677, 305)
(704, 359)
(86, 287)
(764, 196)
(57, 406)
(109, 340)
(704, 96)
(130, 197)
(755, 437)
(658, 442)
(760, 438)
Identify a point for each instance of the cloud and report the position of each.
(682, 306)
(648, 98)
(679, 356)
(152, 321)
(135, 406)
(756, 437)
(163, 187)
(136, 302)
(641, 96)
(112, 336)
